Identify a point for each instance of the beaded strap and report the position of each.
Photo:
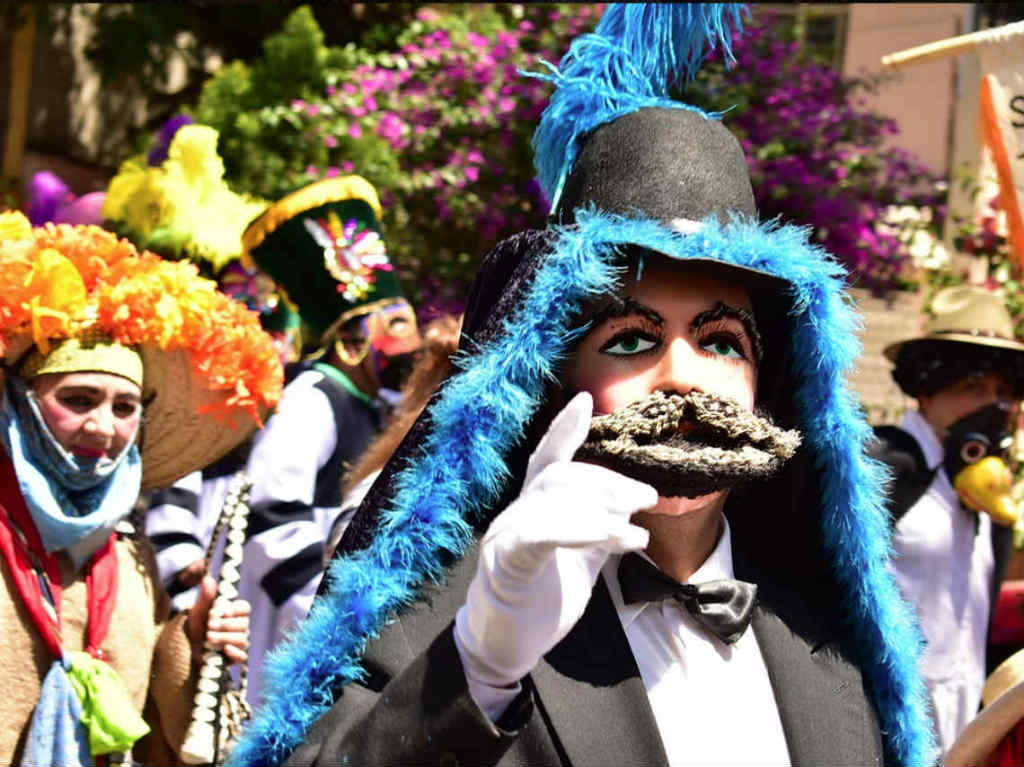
(219, 710)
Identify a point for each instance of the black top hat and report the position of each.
(674, 165)
(670, 164)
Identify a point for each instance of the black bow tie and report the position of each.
(723, 607)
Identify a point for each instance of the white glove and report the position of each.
(541, 556)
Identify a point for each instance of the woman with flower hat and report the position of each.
(121, 371)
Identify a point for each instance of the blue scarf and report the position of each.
(57, 734)
(75, 502)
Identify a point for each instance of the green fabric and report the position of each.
(107, 710)
(296, 260)
(282, 318)
(346, 383)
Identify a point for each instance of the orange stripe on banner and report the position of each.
(994, 139)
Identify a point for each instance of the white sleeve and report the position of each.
(285, 539)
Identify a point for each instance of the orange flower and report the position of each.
(51, 281)
(57, 297)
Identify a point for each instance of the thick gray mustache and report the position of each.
(688, 445)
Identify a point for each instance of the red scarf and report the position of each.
(36, 573)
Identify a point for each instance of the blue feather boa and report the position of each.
(481, 412)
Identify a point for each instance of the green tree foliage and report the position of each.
(133, 41)
(440, 124)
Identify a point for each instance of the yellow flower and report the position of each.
(14, 226)
(217, 226)
(193, 155)
(58, 296)
(185, 203)
(122, 188)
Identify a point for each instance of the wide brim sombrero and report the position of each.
(892, 352)
(180, 435)
(1003, 696)
(965, 314)
(210, 373)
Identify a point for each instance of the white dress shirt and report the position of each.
(712, 702)
(943, 564)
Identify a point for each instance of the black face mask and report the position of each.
(977, 435)
(396, 369)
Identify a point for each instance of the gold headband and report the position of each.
(89, 353)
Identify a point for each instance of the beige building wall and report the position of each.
(919, 98)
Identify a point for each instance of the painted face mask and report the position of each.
(389, 335)
(393, 343)
(688, 445)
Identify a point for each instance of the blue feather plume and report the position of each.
(629, 62)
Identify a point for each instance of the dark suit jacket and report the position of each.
(585, 702)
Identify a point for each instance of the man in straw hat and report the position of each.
(949, 500)
(636, 524)
(323, 247)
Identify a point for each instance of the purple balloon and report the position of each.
(46, 193)
(87, 209)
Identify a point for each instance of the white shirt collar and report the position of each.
(718, 566)
(918, 427)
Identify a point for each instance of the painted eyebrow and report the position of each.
(78, 389)
(87, 389)
(621, 307)
(722, 309)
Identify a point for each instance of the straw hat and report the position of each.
(210, 374)
(966, 314)
(1003, 700)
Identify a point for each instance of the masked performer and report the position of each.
(121, 371)
(950, 497)
(323, 247)
(667, 582)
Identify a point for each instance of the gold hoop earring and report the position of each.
(351, 359)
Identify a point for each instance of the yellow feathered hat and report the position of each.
(178, 204)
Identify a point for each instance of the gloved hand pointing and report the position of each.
(541, 556)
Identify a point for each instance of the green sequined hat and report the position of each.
(323, 246)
